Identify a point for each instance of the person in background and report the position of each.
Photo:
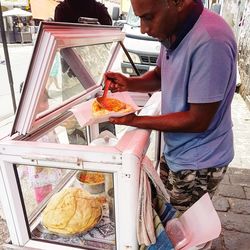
(70, 10)
(196, 73)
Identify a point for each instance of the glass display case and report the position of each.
(63, 185)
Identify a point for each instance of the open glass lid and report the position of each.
(67, 68)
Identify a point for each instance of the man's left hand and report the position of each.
(124, 120)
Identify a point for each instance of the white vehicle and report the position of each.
(142, 48)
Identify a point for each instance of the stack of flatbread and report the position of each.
(71, 211)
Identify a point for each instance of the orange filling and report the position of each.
(91, 178)
(113, 104)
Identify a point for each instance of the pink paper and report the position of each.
(201, 222)
(83, 111)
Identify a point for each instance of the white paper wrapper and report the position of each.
(83, 111)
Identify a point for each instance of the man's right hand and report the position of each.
(119, 82)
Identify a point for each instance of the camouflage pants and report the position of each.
(187, 186)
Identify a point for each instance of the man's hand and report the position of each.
(124, 120)
(119, 82)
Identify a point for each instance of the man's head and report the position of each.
(161, 18)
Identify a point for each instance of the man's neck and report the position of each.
(187, 18)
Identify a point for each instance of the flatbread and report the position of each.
(114, 105)
(71, 211)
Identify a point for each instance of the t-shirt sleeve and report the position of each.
(211, 68)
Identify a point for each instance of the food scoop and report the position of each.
(102, 100)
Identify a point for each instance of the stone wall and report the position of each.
(237, 14)
(244, 55)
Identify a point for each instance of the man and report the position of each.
(196, 73)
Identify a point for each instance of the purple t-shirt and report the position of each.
(202, 69)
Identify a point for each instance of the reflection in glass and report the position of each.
(67, 132)
(96, 64)
(61, 85)
(37, 183)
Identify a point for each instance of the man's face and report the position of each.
(159, 18)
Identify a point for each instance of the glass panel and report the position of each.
(67, 132)
(73, 72)
(123, 65)
(70, 132)
(78, 213)
(37, 183)
(95, 64)
(61, 85)
(118, 65)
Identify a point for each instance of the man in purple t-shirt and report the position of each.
(196, 73)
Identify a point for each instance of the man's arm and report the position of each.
(148, 82)
(196, 119)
